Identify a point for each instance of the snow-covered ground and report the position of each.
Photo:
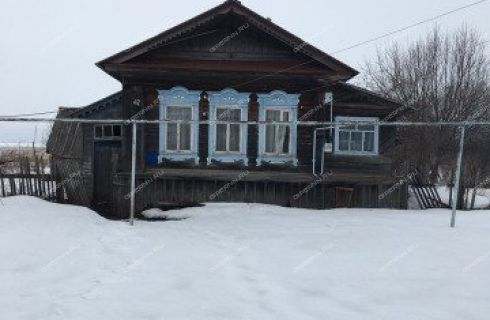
(238, 261)
(23, 144)
(482, 198)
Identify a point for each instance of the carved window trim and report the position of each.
(228, 98)
(278, 100)
(179, 97)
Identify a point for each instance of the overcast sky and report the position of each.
(49, 47)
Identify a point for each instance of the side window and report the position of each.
(107, 132)
(116, 130)
(357, 139)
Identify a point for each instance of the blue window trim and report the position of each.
(357, 153)
(278, 100)
(234, 99)
(179, 96)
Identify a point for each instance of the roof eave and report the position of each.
(237, 7)
(94, 107)
(222, 7)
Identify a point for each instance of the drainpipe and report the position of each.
(323, 149)
(314, 152)
(329, 100)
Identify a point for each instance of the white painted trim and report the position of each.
(179, 97)
(360, 120)
(278, 100)
(228, 98)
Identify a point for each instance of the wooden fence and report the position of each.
(37, 185)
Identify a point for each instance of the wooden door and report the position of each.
(343, 197)
(105, 164)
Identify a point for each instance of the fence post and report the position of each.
(2, 183)
(458, 176)
(314, 152)
(133, 174)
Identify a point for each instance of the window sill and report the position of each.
(341, 158)
(182, 157)
(228, 158)
(118, 139)
(277, 159)
(355, 154)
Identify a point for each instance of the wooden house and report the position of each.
(246, 85)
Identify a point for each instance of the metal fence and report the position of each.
(462, 126)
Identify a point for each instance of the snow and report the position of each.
(482, 198)
(240, 261)
(24, 144)
(167, 215)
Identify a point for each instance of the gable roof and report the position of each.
(65, 137)
(98, 105)
(232, 6)
(352, 91)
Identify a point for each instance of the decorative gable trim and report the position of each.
(98, 106)
(264, 24)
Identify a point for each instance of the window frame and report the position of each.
(276, 127)
(234, 100)
(179, 97)
(228, 132)
(104, 137)
(282, 101)
(179, 124)
(359, 121)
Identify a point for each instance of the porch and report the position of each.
(342, 188)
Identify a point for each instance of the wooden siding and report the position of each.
(258, 60)
(307, 110)
(190, 191)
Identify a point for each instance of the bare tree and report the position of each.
(441, 77)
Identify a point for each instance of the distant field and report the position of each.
(11, 153)
(22, 146)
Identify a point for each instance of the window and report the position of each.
(107, 132)
(99, 132)
(358, 138)
(277, 136)
(228, 135)
(116, 130)
(179, 133)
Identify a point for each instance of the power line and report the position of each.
(444, 14)
(410, 26)
(434, 18)
(208, 122)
